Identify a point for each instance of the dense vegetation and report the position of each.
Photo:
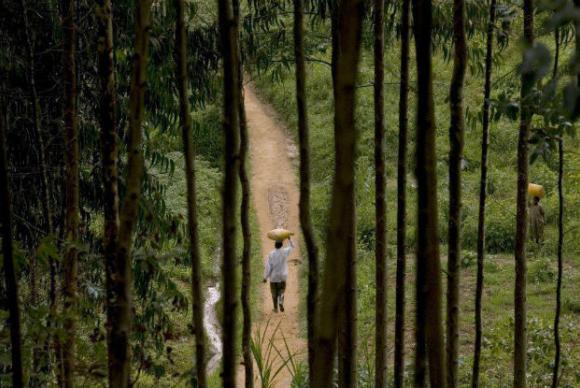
(123, 134)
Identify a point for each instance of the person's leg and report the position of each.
(282, 288)
(274, 291)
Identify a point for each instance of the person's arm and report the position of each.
(290, 246)
(267, 270)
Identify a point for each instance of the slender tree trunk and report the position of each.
(520, 303)
(556, 367)
(229, 46)
(341, 251)
(72, 187)
(429, 330)
(189, 154)
(305, 220)
(120, 279)
(456, 140)
(8, 262)
(380, 199)
(109, 134)
(244, 217)
(483, 195)
(402, 199)
(557, 344)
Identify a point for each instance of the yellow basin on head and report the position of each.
(279, 234)
(535, 190)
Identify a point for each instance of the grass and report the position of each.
(499, 266)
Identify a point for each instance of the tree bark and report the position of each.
(380, 199)
(429, 330)
(304, 204)
(483, 195)
(340, 273)
(244, 216)
(399, 369)
(182, 78)
(72, 187)
(229, 46)
(456, 140)
(520, 302)
(556, 367)
(120, 279)
(8, 262)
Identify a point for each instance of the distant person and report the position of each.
(277, 271)
(537, 220)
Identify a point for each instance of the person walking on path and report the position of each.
(537, 220)
(277, 271)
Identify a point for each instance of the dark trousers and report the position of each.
(277, 290)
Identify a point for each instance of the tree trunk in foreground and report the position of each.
(8, 262)
(119, 302)
(456, 140)
(72, 187)
(244, 216)
(109, 133)
(380, 199)
(520, 303)
(340, 275)
(399, 369)
(229, 46)
(429, 329)
(483, 195)
(556, 367)
(189, 155)
(304, 205)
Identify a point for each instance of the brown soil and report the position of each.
(275, 198)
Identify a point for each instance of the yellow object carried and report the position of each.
(535, 190)
(279, 234)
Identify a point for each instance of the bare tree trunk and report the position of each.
(341, 252)
(402, 199)
(305, 220)
(520, 303)
(429, 329)
(244, 216)
(8, 262)
(557, 344)
(483, 195)
(456, 140)
(556, 367)
(380, 199)
(189, 154)
(120, 279)
(72, 187)
(229, 46)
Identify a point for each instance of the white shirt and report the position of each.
(277, 264)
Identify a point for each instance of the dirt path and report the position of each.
(275, 198)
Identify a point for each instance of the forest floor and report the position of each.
(275, 198)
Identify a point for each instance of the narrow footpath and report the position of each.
(275, 198)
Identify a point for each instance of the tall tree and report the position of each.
(119, 278)
(456, 140)
(304, 204)
(341, 248)
(380, 198)
(428, 326)
(402, 199)
(520, 302)
(8, 259)
(109, 134)
(72, 188)
(197, 309)
(229, 47)
(244, 216)
(483, 193)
